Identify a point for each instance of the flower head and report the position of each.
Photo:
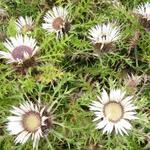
(114, 111)
(20, 49)
(29, 121)
(104, 34)
(56, 20)
(132, 81)
(24, 25)
(143, 11)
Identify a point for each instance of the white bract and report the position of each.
(143, 10)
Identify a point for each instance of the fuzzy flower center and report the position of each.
(32, 121)
(21, 52)
(113, 111)
(26, 28)
(58, 23)
(132, 83)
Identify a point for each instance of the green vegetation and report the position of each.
(68, 72)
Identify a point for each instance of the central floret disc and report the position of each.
(19, 52)
(113, 111)
(58, 23)
(32, 121)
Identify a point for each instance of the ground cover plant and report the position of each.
(74, 75)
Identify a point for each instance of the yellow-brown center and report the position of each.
(26, 28)
(113, 111)
(58, 23)
(31, 121)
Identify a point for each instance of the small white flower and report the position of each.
(132, 81)
(24, 24)
(114, 111)
(20, 48)
(29, 121)
(56, 20)
(143, 10)
(104, 34)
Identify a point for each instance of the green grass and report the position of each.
(68, 73)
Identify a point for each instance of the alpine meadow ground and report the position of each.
(74, 74)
